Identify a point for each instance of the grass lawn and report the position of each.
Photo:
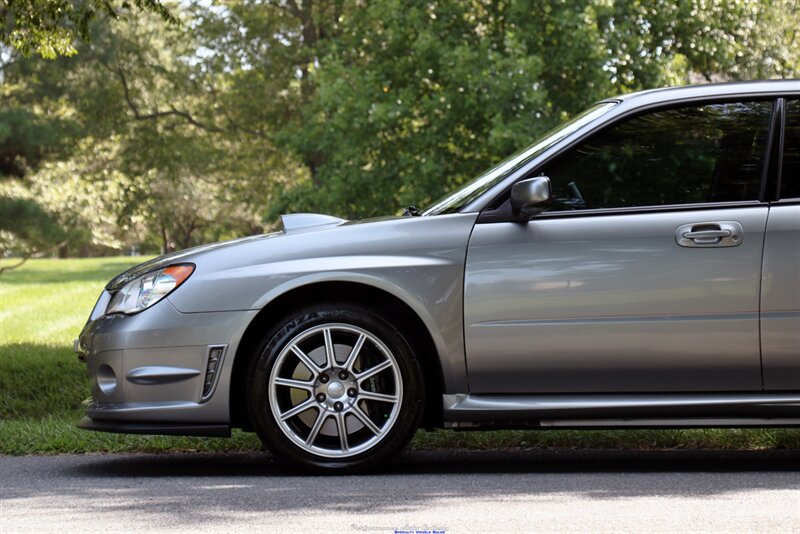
(43, 306)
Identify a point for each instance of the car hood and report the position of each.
(174, 257)
(291, 224)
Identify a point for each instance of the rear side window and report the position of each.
(686, 155)
(790, 174)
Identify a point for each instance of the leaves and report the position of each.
(50, 27)
(162, 135)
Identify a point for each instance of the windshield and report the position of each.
(460, 198)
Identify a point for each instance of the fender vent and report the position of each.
(216, 353)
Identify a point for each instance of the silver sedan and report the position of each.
(639, 266)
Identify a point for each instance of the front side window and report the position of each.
(790, 174)
(455, 201)
(686, 155)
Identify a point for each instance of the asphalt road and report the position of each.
(454, 491)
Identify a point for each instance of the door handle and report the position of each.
(706, 234)
(710, 234)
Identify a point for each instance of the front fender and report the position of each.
(421, 262)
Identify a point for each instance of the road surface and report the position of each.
(451, 491)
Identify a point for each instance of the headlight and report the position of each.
(144, 291)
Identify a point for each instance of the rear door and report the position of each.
(643, 276)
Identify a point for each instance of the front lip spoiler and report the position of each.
(168, 429)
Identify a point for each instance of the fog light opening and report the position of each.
(106, 379)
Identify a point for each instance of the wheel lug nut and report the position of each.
(321, 397)
(351, 392)
(343, 375)
(324, 379)
(338, 406)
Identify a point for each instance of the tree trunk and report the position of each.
(165, 247)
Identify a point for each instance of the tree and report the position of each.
(142, 154)
(411, 99)
(259, 107)
(49, 27)
(26, 139)
(36, 121)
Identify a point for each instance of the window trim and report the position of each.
(498, 209)
(779, 199)
(774, 140)
(637, 210)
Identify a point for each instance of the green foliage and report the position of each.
(139, 165)
(25, 227)
(413, 98)
(49, 27)
(256, 107)
(26, 139)
(411, 105)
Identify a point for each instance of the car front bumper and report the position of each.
(160, 371)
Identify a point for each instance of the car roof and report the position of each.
(710, 90)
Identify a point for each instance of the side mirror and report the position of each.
(530, 196)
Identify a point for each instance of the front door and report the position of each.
(642, 276)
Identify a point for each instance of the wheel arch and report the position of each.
(410, 322)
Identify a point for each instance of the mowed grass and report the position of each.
(44, 304)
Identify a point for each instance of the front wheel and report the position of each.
(336, 388)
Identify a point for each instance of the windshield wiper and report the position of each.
(411, 211)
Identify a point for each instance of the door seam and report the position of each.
(760, 300)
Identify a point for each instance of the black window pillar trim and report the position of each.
(765, 195)
(780, 135)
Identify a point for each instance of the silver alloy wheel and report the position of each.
(335, 390)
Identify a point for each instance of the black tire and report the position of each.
(266, 425)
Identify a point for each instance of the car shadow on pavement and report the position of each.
(210, 490)
(458, 461)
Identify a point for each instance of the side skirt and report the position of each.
(622, 411)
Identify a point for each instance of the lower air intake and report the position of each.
(215, 355)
